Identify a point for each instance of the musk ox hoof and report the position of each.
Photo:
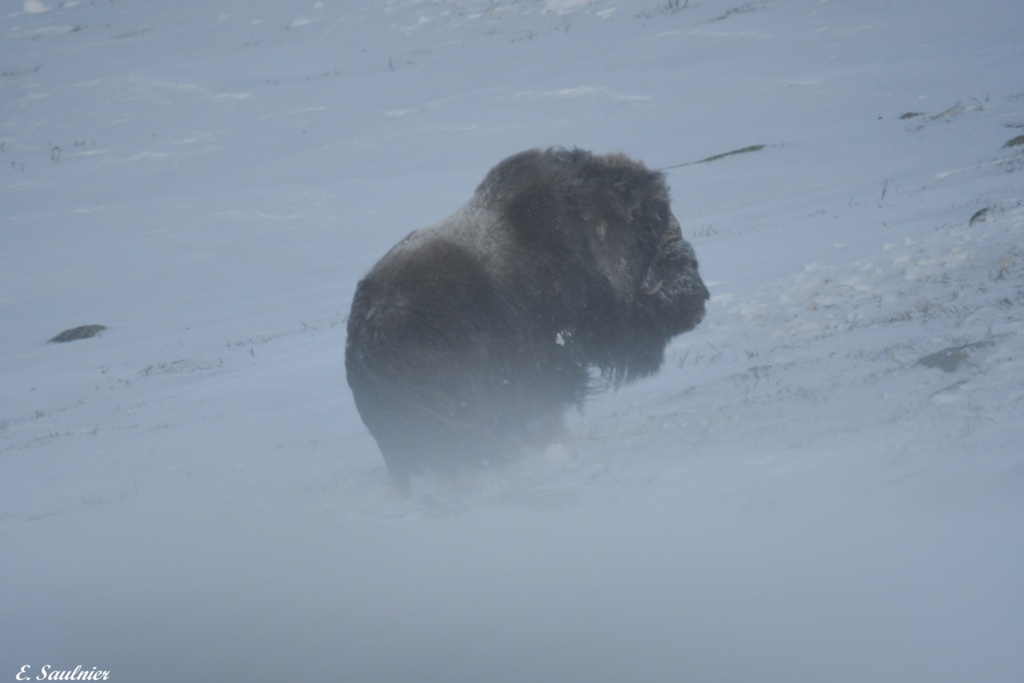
(565, 272)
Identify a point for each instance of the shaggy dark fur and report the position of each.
(469, 338)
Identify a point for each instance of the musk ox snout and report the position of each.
(469, 337)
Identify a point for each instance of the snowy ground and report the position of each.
(805, 493)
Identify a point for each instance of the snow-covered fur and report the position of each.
(469, 338)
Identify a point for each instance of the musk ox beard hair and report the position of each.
(565, 273)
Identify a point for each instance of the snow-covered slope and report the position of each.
(825, 483)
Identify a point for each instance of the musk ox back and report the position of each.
(565, 272)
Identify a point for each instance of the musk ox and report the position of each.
(565, 273)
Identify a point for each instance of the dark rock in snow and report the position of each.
(75, 333)
(952, 358)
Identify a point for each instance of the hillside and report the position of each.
(824, 483)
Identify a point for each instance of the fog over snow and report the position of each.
(824, 484)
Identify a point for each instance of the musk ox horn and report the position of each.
(661, 268)
(652, 289)
(673, 234)
(449, 351)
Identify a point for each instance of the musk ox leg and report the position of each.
(396, 459)
(447, 455)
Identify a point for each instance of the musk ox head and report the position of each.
(565, 272)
